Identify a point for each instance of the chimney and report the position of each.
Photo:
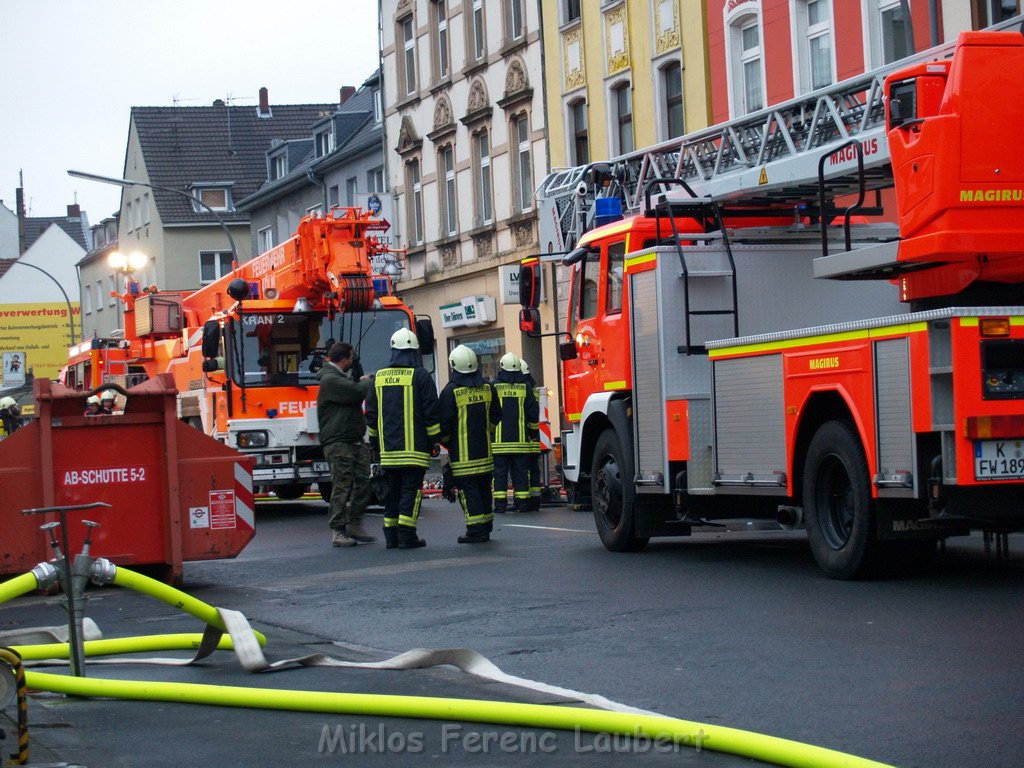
(346, 94)
(19, 204)
(264, 110)
(74, 211)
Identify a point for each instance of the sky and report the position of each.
(73, 69)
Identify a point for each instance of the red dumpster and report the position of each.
(174, 493)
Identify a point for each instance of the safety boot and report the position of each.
(411, 541)
(476, 535)
(356, 531)
(522, 505)
(342, 539)
(391, 538)
(500, 506)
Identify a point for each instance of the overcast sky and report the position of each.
(72, 70)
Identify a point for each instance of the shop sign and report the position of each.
(468, 311)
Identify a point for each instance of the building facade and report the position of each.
(466, 148)
(101, 312)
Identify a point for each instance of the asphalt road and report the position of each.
(734, 628)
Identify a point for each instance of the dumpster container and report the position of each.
(175, 494)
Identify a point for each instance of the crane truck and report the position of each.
(758, 336)
(244, 350)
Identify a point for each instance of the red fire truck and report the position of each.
(744, 343)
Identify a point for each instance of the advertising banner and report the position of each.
(34, 337)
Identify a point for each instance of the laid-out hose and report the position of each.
(189, 641)
(18, 586)
(758, 746)
(174, 598)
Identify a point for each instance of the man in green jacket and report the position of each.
(339, 410)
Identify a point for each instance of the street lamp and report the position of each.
(127, 265)
(131, 183)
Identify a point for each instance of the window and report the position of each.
(613, 289)
(278, 166)
(580, 135)
(482, 156)
(324, 142)
(87, 296)
(590, 267)
(477, 44)
(814, 64)
(622, 99)
(265, 239)
(99, 295)
(449, 203)
(128, 217)
(672, 88)
(515, 21)
(523, 171)
(988, 12)
(216, 198)
(745, 70)
(415, 202)
(351, 191)
(378, 108)
(894, 33)
(213, 265)
(333, 198)
(408, 38)
(145, 208)
(375, 179)
(572, 10)
(113, 289)
(441, 39)
(138, 213)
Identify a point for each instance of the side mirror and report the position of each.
(529, 321)
(529, 283)
(902, 103)
(211, 338)
(567, 351)
(425, 334)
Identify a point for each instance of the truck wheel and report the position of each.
(838, 509)
(290, 491)
(613, 517)
(325, 490)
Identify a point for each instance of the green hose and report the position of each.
(18, 586)
(664, 729)
(174, 598)
(116, 645)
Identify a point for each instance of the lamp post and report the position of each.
(127, 265)
(71, 313)
(131, 183)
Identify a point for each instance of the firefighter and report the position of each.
(10, 415)
(469, 411)
(534, 457)
(402, 420)
(511, 447)
(93, 406)
(108, 401)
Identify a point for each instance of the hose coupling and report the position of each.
(46, 575)
(102, 571)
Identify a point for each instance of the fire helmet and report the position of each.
(92, 400)
(7, 402)
(510, 362)
(463, 359)
(403, 338)
(523, 367)
(108, 394)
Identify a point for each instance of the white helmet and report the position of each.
(108, 394)
(523, 367)
(92, 400)
(7, 402)
(509, 362)
(463, 359)
(403, 338)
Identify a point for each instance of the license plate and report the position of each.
(321, 466)
(999, 459)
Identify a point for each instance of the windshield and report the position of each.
(286, 349)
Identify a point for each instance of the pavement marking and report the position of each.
(376, 571)
(544, 528)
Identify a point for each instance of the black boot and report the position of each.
(500, 506)
(408, 539)
(391, 538)
(475, 534)
(522, 505)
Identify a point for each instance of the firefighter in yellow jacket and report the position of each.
(516, 431)
(402, 420)
(469, 411)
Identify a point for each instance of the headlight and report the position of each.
(256, 439)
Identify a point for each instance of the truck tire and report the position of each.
(838, 509)
(290, 491)
(614, 518)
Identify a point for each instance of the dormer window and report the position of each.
(324, 142)
(278, 166)
(215, 197)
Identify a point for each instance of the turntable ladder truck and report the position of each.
(742, 344)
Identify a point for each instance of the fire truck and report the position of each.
(244, 350)
(758, 337)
